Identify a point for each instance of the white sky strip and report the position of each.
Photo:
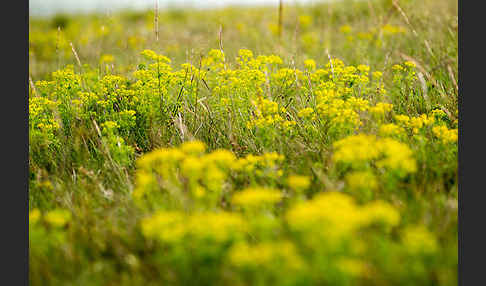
(49, 7)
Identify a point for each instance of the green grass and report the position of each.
(116, 198)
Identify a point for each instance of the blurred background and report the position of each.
(50, 7)
(373, 32)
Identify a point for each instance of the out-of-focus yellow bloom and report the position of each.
(353, 267)
(418, 239)
(193, 147)
(445, 134)
(255, 197)
(305, 21)
(298, 183)
(106, 58)
(310, 64)
(361, 180)
(361, 149)
(383, 212)
(58, 217)
(34, 216)
(266, 255)
(345, 29)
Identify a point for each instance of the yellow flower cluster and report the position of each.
(334, 216)
(174, 226)
(41, 116)
(389, 30)
(345, 29)
(445, 134)
(106, 58)
(214, 60)
(415, 124)
(351, 266)
(151, 55)
(298, 183)
(340, 113)
(418, 239)
(307, 113)
(189, 167)
(56, 218)
(310, 64)
(305, 21)
(268, 113)
(361, 150)
(391, 130)
(66, 81)
(252, 163)
(361, 180)
(256, 197)
(405, 72)
(34, 216)
(380, 109)
(166, 166)
(281, 254)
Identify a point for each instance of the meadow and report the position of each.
(235, 146)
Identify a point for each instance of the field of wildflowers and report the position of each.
(215, 147)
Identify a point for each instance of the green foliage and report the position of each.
(325, 157)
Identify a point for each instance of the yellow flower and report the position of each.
(402, 119)
(305, 21)
(444, 134)
(334, 213)
(219, 227)
(380, 211)
(306, 112)
(298, 183)
(351, 266)
(377, 75)
(58, 217)
(361, 180)
(418, 239)
(380, 109)
(364, 68)
(410, 64)
(356, 148)
(164, 225)
(255, 197)
(392, 30)
(390, 130)
(149, 54)
(345, 29)
(310, 64)
(34, 216)
(193, 147)
(266, 255)
(106, 58)
(192, 167)
(397, 156)
(359, 150)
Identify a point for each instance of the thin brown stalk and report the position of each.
(221, 45)
(330, 62)
(451, 74)
(419, 67)
(108, 153)
(296, 32)
(156, 20)
(32, 86)
(75, 54)
(400, 10)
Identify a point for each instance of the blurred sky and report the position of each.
(49, 7)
